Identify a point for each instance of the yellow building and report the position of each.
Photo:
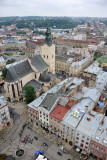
(70, 65)
(34, 72)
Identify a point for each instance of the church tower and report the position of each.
(48, 51)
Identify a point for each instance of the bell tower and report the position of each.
(48, 51)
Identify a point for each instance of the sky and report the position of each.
(76, 8)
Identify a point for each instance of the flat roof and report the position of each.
(101, 134)
(74, 116)
(3, 102)
(2, 59)
(92, 93)
(60, 111)
(90, 123)
(93, 69)
(101, 77)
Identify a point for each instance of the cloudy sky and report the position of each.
(93, 8)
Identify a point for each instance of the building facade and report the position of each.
(4, 113)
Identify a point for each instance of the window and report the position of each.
(101, 154)
(47, 119)
(51, 117)
(44, 56)
(81, 145)
(92, 149)
(102, 149)
(52, 56)
(77, 142)
(86, 147)
(77, 138)
(93, 145)
(47, 57)
(35, 76)
(77, 134)
(82, 140)
(96, 152)
(83, 137)
(87, 143)
(97, 147)
(44, 114)
(87, 139)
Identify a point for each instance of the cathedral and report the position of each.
(37, 70)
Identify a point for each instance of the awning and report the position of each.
(77, 149)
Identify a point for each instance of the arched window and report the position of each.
(44, 56)
(47, 57)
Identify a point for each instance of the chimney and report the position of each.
(88, 119)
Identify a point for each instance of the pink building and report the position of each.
(57, 115)
(98, 145)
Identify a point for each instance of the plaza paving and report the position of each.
(12, 141)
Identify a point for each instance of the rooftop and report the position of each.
(101, 77)
(80, 63)
(39, 63)
(93, 69)
(93, 94)
(35, 104)
(60, 111)
(101, 134)
(3, 102)
(48, 101)
(90, 123)
(18, 71)
(2, 59)
(76, 113)
(33, 83)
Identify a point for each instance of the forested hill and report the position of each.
(34, 22)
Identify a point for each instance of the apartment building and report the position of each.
(4, 113)
(58, 114)
(86, 130)
(98, 145)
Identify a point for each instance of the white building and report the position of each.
(85, 52)
(45, 108)
(86, 130)
(101, 80)
(92, 46)
(4, 113)
(76, 113)
(80, 37)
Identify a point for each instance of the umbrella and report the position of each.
(77, 149)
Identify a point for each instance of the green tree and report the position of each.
(4, 72)
(29, 94)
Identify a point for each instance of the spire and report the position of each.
(48, 39)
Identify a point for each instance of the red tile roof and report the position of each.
(60, 111)
(71, 40)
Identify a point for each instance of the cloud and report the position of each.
(53, 8)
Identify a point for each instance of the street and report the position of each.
(11, 142)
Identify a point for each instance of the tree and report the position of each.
(4, 72)
(29, 94)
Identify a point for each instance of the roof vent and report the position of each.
(88, 119)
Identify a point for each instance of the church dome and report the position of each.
(45, 77)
